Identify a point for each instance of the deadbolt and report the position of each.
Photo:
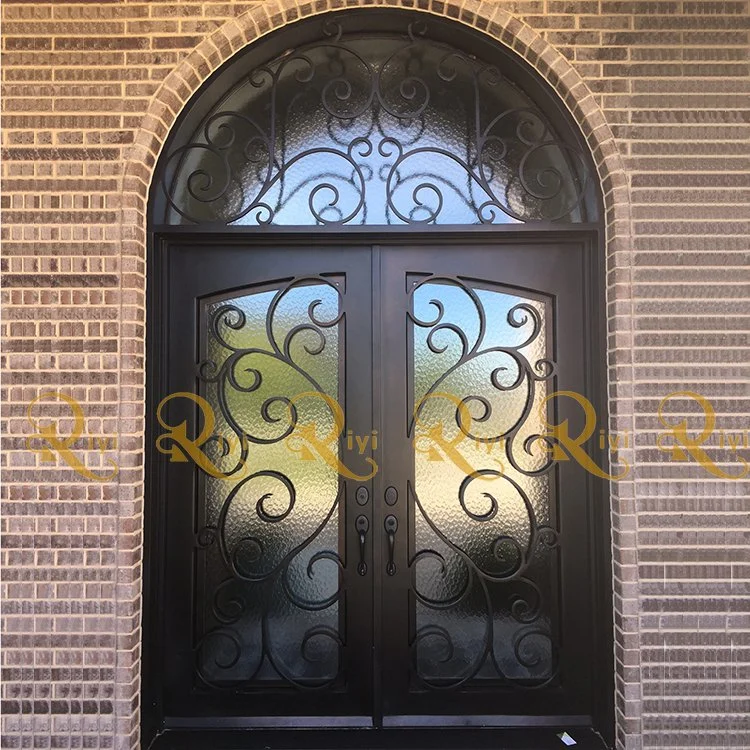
(391, 496)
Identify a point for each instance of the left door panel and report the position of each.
(266, 589)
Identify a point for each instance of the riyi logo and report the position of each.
(58, 424)
(56, 444)
(683, 447)
(303, 441)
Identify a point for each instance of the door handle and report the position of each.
(362, 525)
(391, 527)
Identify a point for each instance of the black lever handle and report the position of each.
(391, 527)
(362, 525)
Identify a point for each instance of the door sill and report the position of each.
(457, 738)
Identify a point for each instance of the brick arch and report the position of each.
(168, 101)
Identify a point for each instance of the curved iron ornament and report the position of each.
(515, 558)
(375, 112)
(248, 582)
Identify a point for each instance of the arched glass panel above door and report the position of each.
(378, 127)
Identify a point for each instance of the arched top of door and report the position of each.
(374, 118)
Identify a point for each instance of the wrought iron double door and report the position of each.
(364, 524)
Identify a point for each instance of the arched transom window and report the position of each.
(374, 128)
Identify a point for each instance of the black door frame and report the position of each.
(153, 580)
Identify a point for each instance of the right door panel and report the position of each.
(487, 605)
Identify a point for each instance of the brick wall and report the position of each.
(662, 91)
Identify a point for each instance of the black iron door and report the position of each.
(268, 599)
(369, 528)
(486, 601)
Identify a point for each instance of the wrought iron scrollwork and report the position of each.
(500, 566)
(375, 130)
(260, 553)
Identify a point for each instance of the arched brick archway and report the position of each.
(166, 104)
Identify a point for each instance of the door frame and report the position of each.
(590, 235)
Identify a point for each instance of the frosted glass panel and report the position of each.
(484, 535)
(268, 542)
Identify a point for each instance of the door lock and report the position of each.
(362, 495)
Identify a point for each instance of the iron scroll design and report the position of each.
(342, 131)
(255, 579)
(508, 564)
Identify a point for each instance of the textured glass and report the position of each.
(483, 532)
(268, 541)
(376, 130)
